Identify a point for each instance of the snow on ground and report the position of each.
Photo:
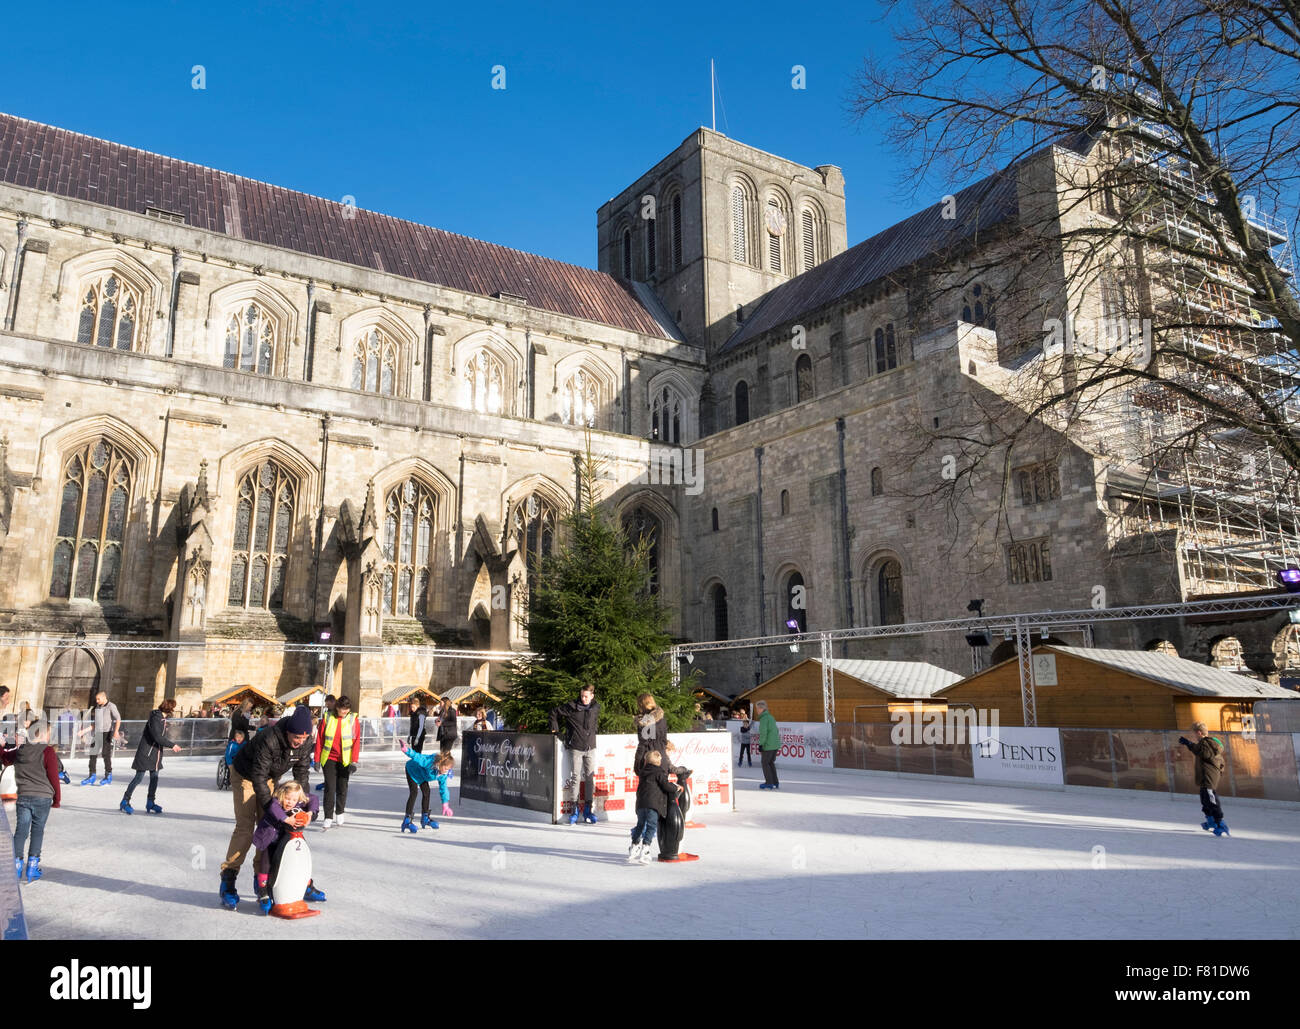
(829, 855)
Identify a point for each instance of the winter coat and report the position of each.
(267, 756)
(272, 826)
(1209, 761)
(654, 791)
(580, 721)
(420, 768)
(239, 721)
(415, 735)
(769, 736)
(153, 741)
(36, 770)
(448, 731)
(652, 734)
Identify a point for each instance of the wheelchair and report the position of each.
(223, 773)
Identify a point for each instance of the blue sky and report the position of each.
(395, 107)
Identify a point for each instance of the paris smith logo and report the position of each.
(495, 759)
(98, 982)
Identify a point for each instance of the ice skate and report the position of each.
(88, 781)
(409, 826)
(588, 815)
(633, 852)
(107, 780)
(1221, 828)
(153, 808)
(33, 869)
(426, 822)
(126, 808)
(227, 892)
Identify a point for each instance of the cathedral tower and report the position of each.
(715, 225)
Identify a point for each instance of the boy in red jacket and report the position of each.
(36, 767)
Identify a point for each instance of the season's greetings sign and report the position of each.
(706, 754)
(514, 768)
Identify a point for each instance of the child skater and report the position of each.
(653, 792)
(232, 748)
(421, 769)
(290, 809)
(38, 791)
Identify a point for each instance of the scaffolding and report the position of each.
(1227, 496)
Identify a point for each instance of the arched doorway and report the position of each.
(72, 681)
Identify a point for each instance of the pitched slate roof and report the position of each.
(1186, 676)
(53, 160)
(978, 208)
(906, 679)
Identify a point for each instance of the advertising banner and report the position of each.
(1018, 755)
(802, 743)
(707, 754)
(513, 768)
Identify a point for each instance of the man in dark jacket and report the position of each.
(581, 717)
(1209, 766)
(256, 770)
(415, 738)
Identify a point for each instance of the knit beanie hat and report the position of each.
(299, 722)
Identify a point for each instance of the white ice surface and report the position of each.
(829, 855)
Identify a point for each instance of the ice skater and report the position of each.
(745, 725)
(290, 809)
(36, 769)
(581, 717)
(258, 767)
(106, 724)
(338, 745)
(1210, 764)
(769, 745)
(148, 757)
(422, 769)
(653, 794)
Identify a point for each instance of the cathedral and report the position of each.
(237, 418)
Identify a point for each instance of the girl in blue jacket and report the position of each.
(422, 769)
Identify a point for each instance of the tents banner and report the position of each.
(706, 754)
(802, 743)
(513, 768)
(1018, 755)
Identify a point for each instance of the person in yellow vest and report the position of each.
(338, 745)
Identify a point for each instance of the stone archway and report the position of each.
(71, 681)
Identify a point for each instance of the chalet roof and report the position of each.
(53, 160)
(905, 679)
(1184, 675)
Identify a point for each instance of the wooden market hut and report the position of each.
(866, 688)
(1084, 687)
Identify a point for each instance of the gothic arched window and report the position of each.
(650, 246)
(666, 416)
(677, 231)
(877, 482)
(803, 379)
(533, 523)
(250, 340)
(720, 628)
(109, 312)
(579, 400)
(977, 306)
(775, 229)
(886, 349)
(627, 253)
(808, 237)
(484, 383)
(374, 363)
(739, 225)
(796, 603)
(264, 515)
(715, 519)
(640, 525)
(889, 592)
(409, 514)
(742, 402)
(97, 482)
(785, 501)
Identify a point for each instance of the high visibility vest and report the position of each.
(331, 726)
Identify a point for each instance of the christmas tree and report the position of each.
(592, 618)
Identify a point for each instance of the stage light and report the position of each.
(1290, 579)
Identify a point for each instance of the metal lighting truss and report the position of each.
(1019, 627)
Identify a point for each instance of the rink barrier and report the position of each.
(1262, 766)
(203, 736)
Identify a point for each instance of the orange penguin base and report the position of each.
(294, 909)
(672, 861)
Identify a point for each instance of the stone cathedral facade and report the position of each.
(234, 412)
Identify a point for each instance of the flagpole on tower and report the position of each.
(713, 96)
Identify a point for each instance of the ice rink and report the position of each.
(829, 855)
